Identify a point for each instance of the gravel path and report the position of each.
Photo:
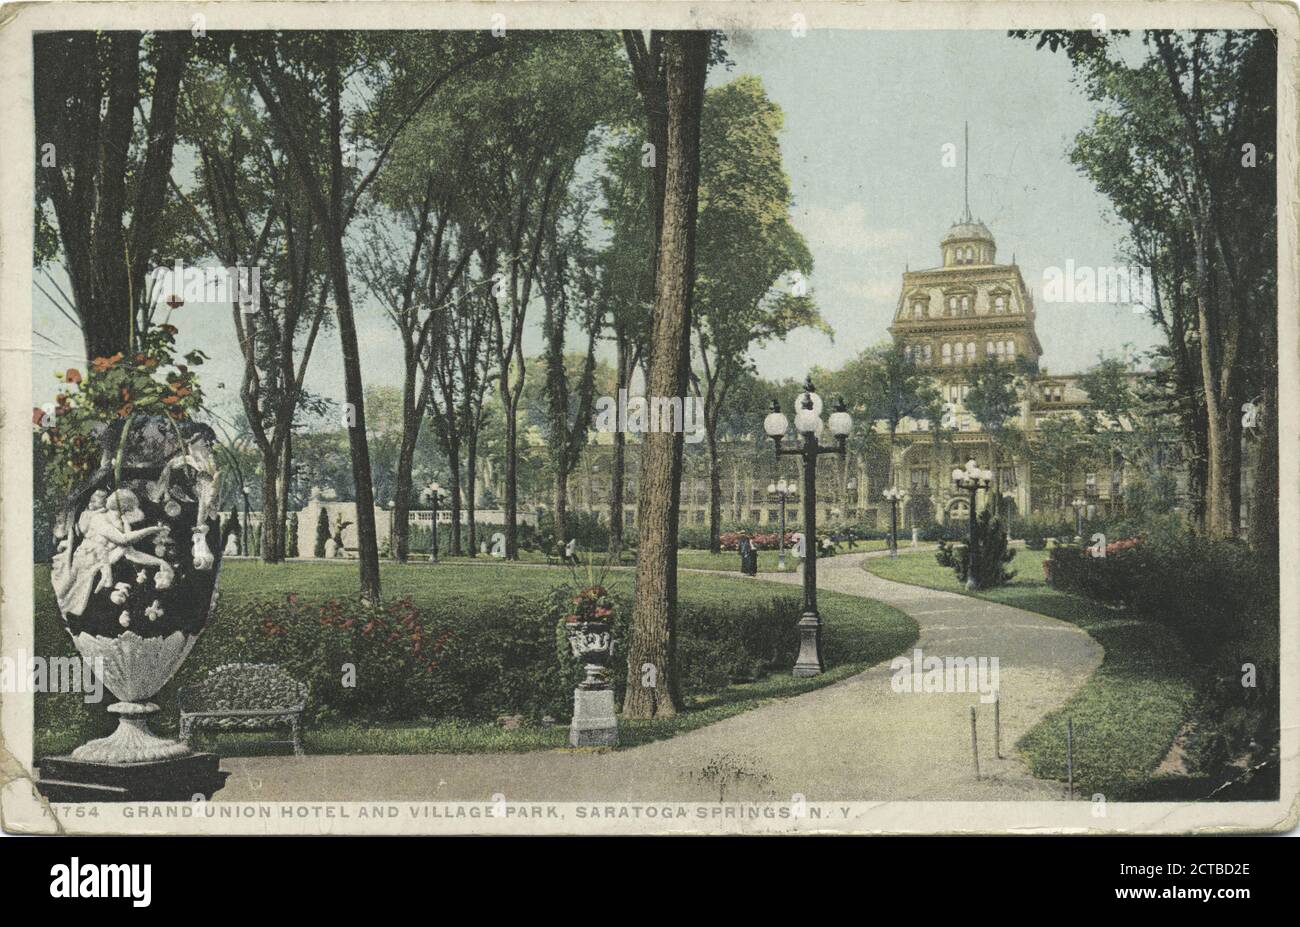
(857, 739)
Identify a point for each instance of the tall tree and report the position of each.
(1186, 132)
(248, 210)
(414, 292)
(301, 78)
(627, 289)
(539, 120)
(568, 290)
(652, 683)
(747, 247)
(105, 173)
(994, 401)
(889, 387)
(461, 366)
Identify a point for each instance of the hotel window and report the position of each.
(918, 309)
(999, 303)
(952, 305)
(755, 515)
(947, 353)
(791, 516)
(989, 350)
(1001, 349)
(773, 515)
(1011, 350)
(970, 352)
(920, 478)
(926, 353)
(965, 305)
(699, 516)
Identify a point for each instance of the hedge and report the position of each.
(476, 661)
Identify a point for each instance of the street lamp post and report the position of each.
(433, 494)
(895, 496)
(808, 424)
(972, 480)
(781, 491)
(1079, 505)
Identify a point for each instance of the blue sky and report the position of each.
(866, 117)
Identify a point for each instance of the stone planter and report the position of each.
(135, 574)
(590, 642)
(594, 722)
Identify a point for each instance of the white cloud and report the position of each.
(843, 228)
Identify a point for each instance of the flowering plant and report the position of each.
(730, 540)
(592, 603)
(149, 382)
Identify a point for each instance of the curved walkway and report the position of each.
(854, 740)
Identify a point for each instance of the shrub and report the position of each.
(233, 527)
(409, 662)
(953, 531)
(1037, 528)
(1209, 591)
(1223, 603)
(322, 533)
(991, 554)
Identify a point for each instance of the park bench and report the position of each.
(244, 697)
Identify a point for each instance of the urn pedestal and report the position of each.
(595, 723)
(190, 777)
(135, 576)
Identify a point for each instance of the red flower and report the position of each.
(38, 415)
(102, 364)
(73, 375)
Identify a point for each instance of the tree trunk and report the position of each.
(471, 493)
(561, 507)
(271, 521)
(358, 443)
(1263, 505)
(512, 484)
(619, 460)
(453, 490)
(652, 684)
(616, 491)
(286, 508)
(402, 496)
(1218, 484)
(715, 492)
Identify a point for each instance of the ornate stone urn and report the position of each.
(135, 573)
(590, 642)
(594, 722)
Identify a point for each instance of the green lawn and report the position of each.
(1127, 713)
(687, 558)
(690, 559)
(858, 634)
